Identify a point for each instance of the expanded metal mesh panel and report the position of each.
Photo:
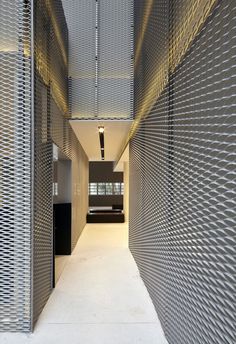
(59, 53)
(50, 109)
(15, 166)
(149, 236)
(164, 30)
(43, 157)
(100, 55)
(151, 52)
(114, 98)
(182, 187)
(43, 217)
(26, 217)
(58, 129)
(187, 17)
(80, 171)
(81, 21)
(82, 101)
(115, 58)
(51, 125)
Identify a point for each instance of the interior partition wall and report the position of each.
(34, 107)
(51, 108)
(15, 165)
(183, 166)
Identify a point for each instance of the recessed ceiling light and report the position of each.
(101, 129)
(101, 138)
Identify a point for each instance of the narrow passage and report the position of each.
(99, 297)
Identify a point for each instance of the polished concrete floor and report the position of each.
(60, 263)
(99, 297)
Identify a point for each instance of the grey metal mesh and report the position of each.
(15, 166)
(29, 126)
(114, 58)
(81, 19)
(43, 157)
(183, 169)
(51, 125)
(100, 55)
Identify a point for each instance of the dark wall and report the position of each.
(182, 183)
(103, 172)
(105, 201)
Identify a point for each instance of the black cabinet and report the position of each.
(62, 228)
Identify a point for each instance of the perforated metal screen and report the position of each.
(183, 172)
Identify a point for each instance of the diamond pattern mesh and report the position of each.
(182, 178)
(15, 166)
(100, 55)
(114, 58)
(43, 169)
(51, 125)
(81, 20)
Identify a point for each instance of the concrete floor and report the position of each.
(99, 298)
(60, 263)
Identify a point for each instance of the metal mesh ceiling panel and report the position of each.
(182, 179)
(114, 58)
(100, 55)
(81, 21)
(15, 166)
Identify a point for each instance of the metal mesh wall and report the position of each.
(15, 166)
(151, 52)
(44, 38)
(182, 178)
(28, 128)
(51, 125)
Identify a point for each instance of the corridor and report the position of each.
(99, 298)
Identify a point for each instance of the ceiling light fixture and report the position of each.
(101, 129)
(101, 138)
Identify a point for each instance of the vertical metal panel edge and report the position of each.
(32, 166)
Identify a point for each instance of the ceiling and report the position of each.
(115, 134)
(100, 70)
